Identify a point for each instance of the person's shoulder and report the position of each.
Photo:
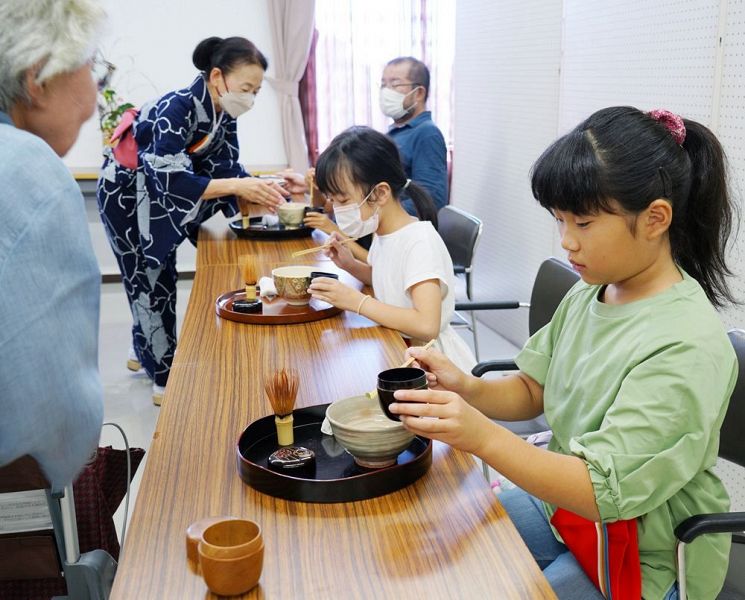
(28, 162)
(176, 102)
(420, 236)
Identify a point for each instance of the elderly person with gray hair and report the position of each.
(51, 396)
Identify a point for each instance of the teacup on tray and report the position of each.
(292, 283)
(291, 214)
(366, 433)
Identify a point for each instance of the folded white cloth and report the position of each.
(269, 220)
(326, 427)
(266, 287)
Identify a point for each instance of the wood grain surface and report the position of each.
(445, 536)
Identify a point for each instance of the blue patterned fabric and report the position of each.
(182, 145)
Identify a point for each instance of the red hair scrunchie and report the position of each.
(672, 122)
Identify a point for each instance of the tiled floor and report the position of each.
(127, 395)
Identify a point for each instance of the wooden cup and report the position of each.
(231, 576)
(231, 538)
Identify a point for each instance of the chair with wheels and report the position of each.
(731, 448)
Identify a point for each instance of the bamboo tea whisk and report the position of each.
(281, 388)
(249, 275)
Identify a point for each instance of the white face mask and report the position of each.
(392, 103)
(237, 103)
(349, 219)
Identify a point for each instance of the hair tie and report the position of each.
(672, 122)
(408, 181)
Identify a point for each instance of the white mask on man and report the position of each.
(392, 103)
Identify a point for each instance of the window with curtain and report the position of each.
(355, 41)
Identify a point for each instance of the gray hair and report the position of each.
(57, 35)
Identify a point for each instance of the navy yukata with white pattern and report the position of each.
(182, 144)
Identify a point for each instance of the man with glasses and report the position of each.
(404, 88)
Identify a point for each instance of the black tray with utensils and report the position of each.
(257, 229)
(336, 477)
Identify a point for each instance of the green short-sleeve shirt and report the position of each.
(639, 392)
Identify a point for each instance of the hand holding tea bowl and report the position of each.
(336, 293)
(441, 412)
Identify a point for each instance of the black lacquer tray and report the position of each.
(257, 229)
(336, 477)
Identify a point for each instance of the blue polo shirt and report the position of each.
(424, 157)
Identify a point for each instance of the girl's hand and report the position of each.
(296, 183)
(258, 191)
(336, 293)
(455, 422)
(340, 253)
(321, 222)
(442, 374)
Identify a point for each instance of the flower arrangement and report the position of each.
(110, 110)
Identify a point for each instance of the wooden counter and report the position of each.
(446, 536)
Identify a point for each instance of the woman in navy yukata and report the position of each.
(175, 167)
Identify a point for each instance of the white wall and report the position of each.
(151, 43)
(526, 73)
(507, 58)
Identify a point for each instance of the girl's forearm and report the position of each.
(508, 398)
(409, 321)
(361, 270)
(555, 478)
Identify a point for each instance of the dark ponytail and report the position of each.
(621, 156)
(699, 235)
(367, 157)
(423, 203)
(226, 54)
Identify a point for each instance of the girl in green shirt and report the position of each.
(634, 372)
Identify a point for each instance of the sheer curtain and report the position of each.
(355, 41)
(292, 31)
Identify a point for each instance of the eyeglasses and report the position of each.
(397, 85)
(101, 70)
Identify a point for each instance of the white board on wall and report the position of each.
(152, 42)
(507, 59)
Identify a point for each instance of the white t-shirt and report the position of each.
(413, 254)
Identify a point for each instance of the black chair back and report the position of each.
(553, 281)
(731, 446)
(460, 231)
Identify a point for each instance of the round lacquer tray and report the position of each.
(336, 477)
(274, 312)
(257, 229)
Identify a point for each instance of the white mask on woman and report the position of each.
(237, 103)
(349, 219)
(392, 103)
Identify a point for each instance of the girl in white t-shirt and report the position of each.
(408, 266)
